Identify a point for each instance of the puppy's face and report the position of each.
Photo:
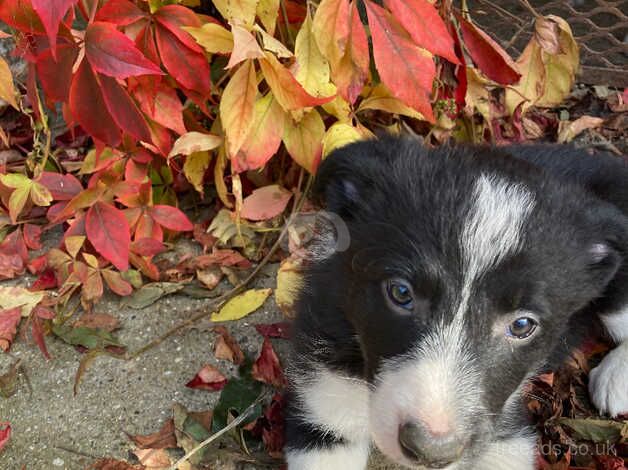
(460, 280)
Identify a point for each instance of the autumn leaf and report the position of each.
(381, 99)
(265, 203)
(7, 88)
(19, 297)
(52, 13)
(24, 189)
(489, 56)
(427, 29)
(304, 140)
(406, 69)
(112, 53)
(274, 330)
(245, 47)
(212, 37)
(9, 320)
(241, 305)
(331, 28)
(194, 168)
(171, 218)
(5, 433)
(162, 439)
(239, 11)
(267, 368)
(208, 378)
(119, 12)
(339, 135)
(264, 137)
(285, 87)
(226, 347)
(194, 142)
(312, 69)
(237, 105)
(268, 11)
(108, 231)
(567, 131)
(273, 45)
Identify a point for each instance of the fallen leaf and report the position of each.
(226, 347)
(89, 338)
(267, 368)
(162, 439)
(597, 430)
(9, 320)
(236, 397)
(104, 321)
(274, 330)
(242, 305)
(210, 276)
(12, 297)
(150, 293)
(265, 203)
(5, 433)
(567, 131)
(153, 458)
(113, 464)
(208, 378)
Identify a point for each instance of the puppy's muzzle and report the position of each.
(432, 450)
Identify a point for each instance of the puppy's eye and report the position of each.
(521, 328)
(400, 293)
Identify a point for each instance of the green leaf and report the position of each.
(89, 338)
(150, 293)
(597, 430)
(236, 397)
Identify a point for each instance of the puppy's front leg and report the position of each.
(608, 382)
(517, 453)
(327, 423)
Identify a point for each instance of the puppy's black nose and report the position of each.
(428, 449)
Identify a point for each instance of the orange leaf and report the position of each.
(264, 136)
(236, 106)
(331, 28)
(288, 91)
(406, 69)
(265, 203)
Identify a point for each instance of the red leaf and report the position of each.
(123, 109)
(274, 330)
(116, 283)
(163, 106)
(112, 53)
(188, 67)
(221, 258)
(421, 19)
(62, 187)
(174, 17)
(46, 280)
(51, 13)
(406, 69)
(11, 265)
(37, 265)
(273, 433)
(265, 203)
(37, 331)
(267, 368)
(208, 378)
(5, 433)
(21, 15)
(108, 231)
(89, 109)
(32, 235)
(147, 247)
(56, 75)
(120, 12)
(9, 319)
(489, 56)
(170, 218)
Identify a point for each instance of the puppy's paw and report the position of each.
(608, 382)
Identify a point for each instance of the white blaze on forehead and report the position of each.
(492, 229)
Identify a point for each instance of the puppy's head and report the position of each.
(463, 269)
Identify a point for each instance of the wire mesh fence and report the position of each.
(600, 27)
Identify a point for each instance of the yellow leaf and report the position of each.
(40, 195)
(237, 11)
(477, 97)
(381, 99)
(567, 131)
(242, 305)
(273, 45)
(289, 282)
(194, 168)
(219, 177)
(7, 87)
(339, 135)
(194, 142)
(245, 46)
(91, 260)
(267, 12)
(339, 108)
(264, 138)
(73, 244)
(304, 140)
(12, 297)
(236, 106)
(212, 37)
(17, 201)
(312, 69)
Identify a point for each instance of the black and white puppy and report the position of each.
(468, 269)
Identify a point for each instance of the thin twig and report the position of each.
(245, 414)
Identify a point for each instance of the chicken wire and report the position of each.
(600, 28)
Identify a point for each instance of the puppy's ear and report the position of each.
(344, 177)
(609, 252)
